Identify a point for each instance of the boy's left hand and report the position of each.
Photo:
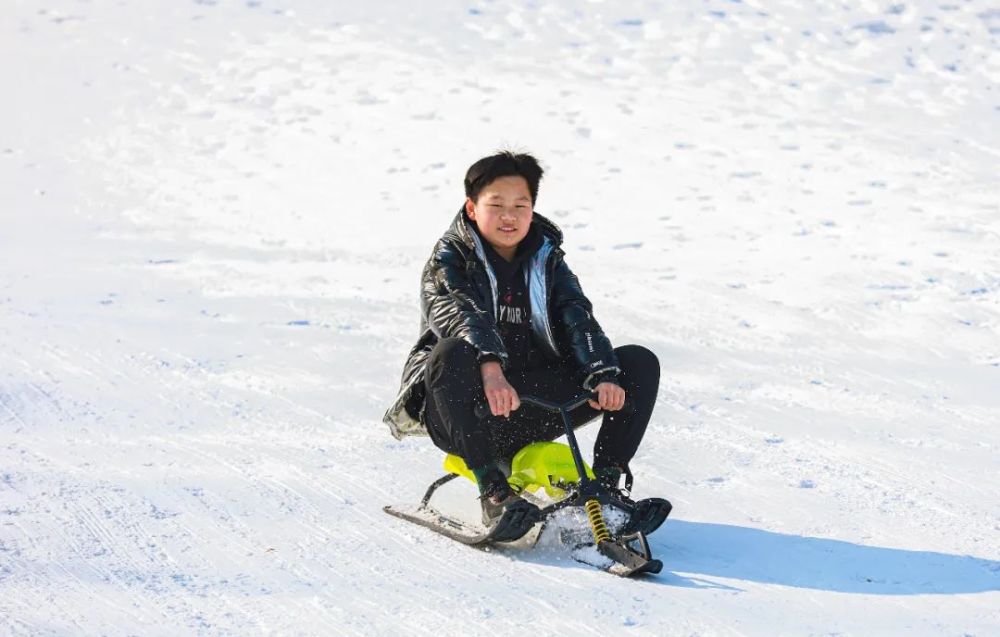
(610, 397)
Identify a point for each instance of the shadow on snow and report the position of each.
(693, 551)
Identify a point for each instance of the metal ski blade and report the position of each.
(634, 564)
(630, 561)
(515, 522)
(439, 523)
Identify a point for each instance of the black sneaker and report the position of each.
(497, 494)
(507, 515)
(509, 520)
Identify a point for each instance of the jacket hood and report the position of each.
(462, 230)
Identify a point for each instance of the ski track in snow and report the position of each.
(215, 214)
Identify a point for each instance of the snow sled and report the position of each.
(551, 477)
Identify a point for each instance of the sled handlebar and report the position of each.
(588, 488)
(482, 409)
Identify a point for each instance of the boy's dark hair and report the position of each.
(504, 164)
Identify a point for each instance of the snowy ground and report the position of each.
(213, 219)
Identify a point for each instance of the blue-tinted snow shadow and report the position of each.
(694, 551)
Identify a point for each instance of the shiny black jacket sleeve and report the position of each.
(581, 332)
(453, 307)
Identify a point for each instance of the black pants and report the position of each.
(454, 384)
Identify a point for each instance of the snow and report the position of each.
(214, 215)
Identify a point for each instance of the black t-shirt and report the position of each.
(514, 304)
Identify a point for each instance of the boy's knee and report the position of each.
(636, 359)
(454, 352)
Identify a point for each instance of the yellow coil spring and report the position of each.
(596, 517)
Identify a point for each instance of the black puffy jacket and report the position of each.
(458, 297)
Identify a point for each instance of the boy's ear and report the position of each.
(470, 208)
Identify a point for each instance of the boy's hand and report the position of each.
(502, 398)
(610, 397)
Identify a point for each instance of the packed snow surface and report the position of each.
(214, 215)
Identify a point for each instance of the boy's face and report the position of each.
(503, 213)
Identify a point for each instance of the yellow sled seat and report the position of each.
(540, 465)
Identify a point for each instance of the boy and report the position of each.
(502, 314)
